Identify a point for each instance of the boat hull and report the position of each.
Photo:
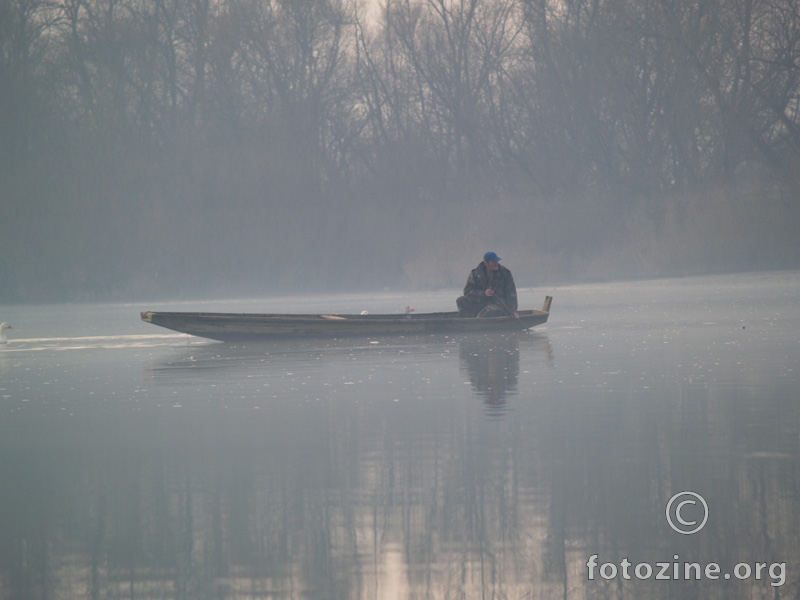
(239, 327)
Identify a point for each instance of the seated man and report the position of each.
(490, 291)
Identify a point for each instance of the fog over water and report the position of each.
(196, 148)
(136, 462)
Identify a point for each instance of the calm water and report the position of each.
(136, 463)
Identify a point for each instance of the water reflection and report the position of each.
(493, 366)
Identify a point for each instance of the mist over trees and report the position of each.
(154, 148)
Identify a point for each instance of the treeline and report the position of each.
(208, 146)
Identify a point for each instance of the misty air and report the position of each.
(399, 299)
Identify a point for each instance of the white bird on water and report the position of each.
(3, 327)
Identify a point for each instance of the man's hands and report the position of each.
(490, 293)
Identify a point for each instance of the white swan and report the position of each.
(3, 327)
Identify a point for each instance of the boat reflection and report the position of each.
(492, 362)
(493, 366)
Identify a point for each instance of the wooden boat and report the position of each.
(238, 327)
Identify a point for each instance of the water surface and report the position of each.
(139, 463)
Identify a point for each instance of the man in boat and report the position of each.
(490, 291)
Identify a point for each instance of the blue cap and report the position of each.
(492, 257)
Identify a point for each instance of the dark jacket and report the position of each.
(501, 281)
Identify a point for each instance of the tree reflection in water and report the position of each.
(367, 472)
